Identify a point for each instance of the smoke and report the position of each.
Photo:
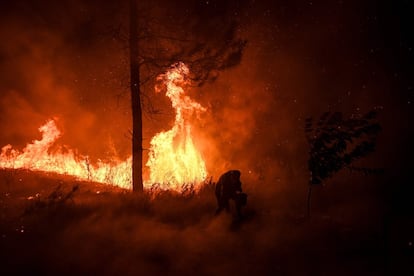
(48, 72)
(301, 60)
(61, 60)
(108, 232)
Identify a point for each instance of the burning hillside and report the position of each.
(173, 161)
(37, 156)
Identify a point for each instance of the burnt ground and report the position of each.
(54, 225)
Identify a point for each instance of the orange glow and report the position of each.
(174, 160)
(37, 157)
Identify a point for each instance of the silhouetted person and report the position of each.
(229, 187)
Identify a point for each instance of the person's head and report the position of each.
(235, 175)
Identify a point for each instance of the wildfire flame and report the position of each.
(37, 157)
(173, 159)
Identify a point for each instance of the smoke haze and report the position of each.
(68, 60)
(65, 60)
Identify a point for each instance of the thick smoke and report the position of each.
(68, 60)
(53, 67)
(59, 59)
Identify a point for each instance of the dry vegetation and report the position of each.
(52, 226)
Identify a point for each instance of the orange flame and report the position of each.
(173, 159)
(36, 157)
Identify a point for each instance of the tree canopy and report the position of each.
(336, 142)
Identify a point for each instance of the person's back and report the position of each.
(228, 187)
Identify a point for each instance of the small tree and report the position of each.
(335, 143)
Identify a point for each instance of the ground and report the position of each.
(54, 225)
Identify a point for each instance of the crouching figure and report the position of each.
(229, 187)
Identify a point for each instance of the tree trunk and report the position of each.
(137, 184)
(308, 205)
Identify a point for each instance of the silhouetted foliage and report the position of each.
(336, 142)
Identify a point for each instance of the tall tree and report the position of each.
(137, 184)
(204, 37)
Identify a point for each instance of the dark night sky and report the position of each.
(302, 58)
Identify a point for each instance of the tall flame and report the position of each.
(173, 159)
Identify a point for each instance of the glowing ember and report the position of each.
(173, 159)
(36, 157)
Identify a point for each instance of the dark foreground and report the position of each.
(56, 226)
